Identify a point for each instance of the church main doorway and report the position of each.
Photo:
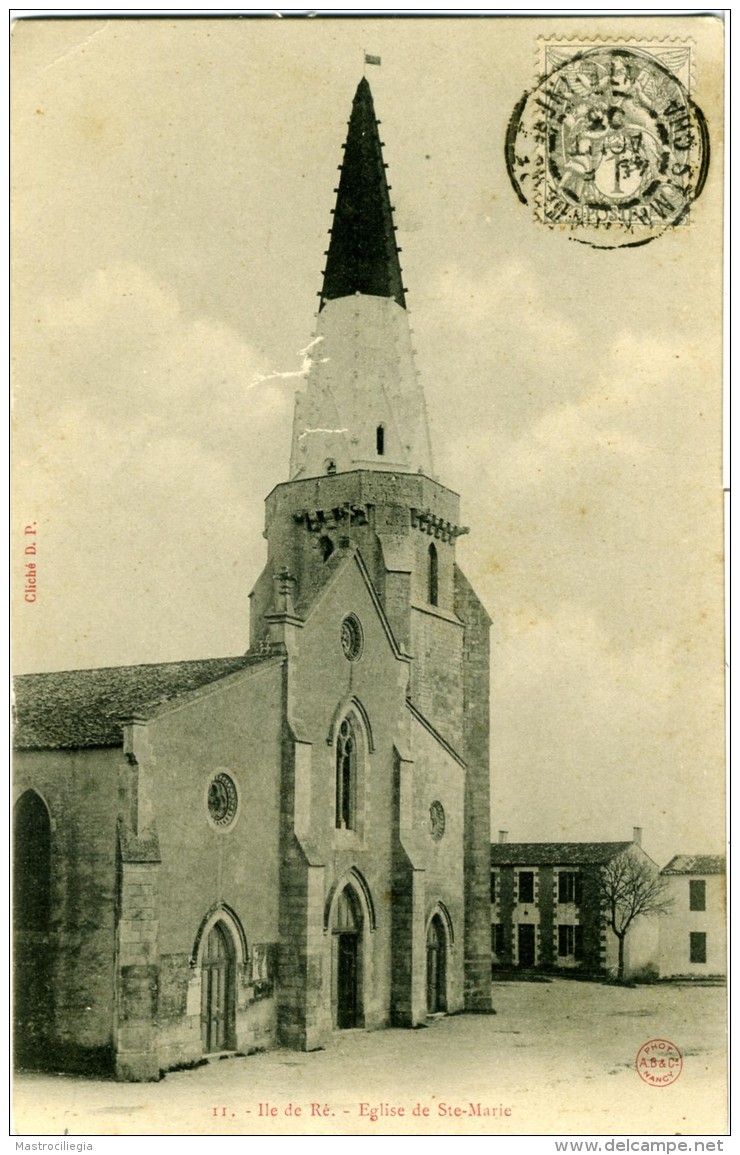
(347, 961)
(217, 991)
(436, 967)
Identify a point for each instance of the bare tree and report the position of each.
(629, 889)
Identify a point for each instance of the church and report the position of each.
(237, 853)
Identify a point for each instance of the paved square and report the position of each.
(557, 1058)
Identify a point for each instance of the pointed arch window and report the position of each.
(433, 576)
(380, 440)
(346, 776)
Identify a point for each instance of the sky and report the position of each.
(173, 181)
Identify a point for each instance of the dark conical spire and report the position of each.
(362, 256)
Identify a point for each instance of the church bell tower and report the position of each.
(362, 479)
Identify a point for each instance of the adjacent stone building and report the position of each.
(693, 935)
(224, 854)
(546, 908)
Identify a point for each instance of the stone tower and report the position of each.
(361, 478)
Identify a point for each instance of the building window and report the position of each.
(433, 576)
(380, 440)
(697, 894)
(223, 800)
(569, 888)
(570, 941)
(346, 777)
(493, 887)
(498, 941)
(566, 941)
(437, 820)
(526, 886)
(697, 946)
(351, 637)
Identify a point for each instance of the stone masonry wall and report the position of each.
(138, 960)
(79, 788)
(476, 694)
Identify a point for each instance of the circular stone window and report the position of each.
(222, 800)
(437, 820)
(351, 638)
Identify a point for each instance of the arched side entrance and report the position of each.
(218, 991)
(436, 966)
(347, 960)
(32, 918)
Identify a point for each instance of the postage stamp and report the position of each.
(609, 144)
(659, 1062)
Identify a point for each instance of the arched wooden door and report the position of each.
(436, 967)
(347, 961)
(218, 991)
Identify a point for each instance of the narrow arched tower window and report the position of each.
(346, 772)
(380, 440)
(433, 576)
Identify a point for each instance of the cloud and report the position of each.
(630, 729)
(145, 457)
(594, 542)
(121, 349)
(487, 303)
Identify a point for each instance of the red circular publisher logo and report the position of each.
(659, 1062)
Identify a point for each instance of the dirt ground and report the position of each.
(557, 1058)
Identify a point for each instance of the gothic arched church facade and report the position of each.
(227, 854)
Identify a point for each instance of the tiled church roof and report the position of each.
(695, 864)
(78, 708)
(555, 853)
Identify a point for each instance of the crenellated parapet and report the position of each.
(323, 520)
(342, 516)
(433, 525)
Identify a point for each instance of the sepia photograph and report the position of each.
(368, 576)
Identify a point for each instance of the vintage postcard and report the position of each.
(368, 562)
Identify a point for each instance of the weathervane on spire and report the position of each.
(369, 59)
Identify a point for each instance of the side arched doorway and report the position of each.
(347, 961)
(218, 991)
(436, 967)
(33, 1003)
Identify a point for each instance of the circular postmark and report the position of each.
(659, 1062)
(609, 146)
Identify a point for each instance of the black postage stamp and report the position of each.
(609, 146)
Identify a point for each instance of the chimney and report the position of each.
(503, 836)
(637, 835)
